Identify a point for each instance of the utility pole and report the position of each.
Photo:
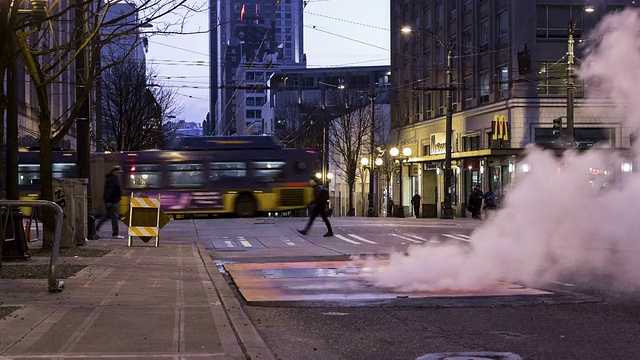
(83, 136)
(12, 122)
(372, 160)
(570, 86)
(447, 210)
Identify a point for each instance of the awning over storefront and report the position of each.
(469, 154)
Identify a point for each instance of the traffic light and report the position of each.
(557, 126)
(524, 61)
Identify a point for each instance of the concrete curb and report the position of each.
(252, 343)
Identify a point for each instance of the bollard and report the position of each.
(91, 227)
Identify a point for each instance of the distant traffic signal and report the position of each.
(557, 126)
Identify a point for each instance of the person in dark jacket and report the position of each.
(318, 207)
(475, 203)
(415, 201)
(111, 197)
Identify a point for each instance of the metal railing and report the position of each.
(54, 284)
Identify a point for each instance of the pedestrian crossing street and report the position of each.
(246, 243)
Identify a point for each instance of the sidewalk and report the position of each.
(138, 302)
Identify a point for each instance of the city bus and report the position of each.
(240, 175)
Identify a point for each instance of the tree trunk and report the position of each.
(351, 208)
(3, 107)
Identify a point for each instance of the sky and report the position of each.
(336, 33)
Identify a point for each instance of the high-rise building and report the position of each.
(251, 39)
(509, 62)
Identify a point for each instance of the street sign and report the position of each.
(145, 218)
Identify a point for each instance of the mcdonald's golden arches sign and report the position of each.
(500, 128)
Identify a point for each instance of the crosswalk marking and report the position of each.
(246, 243)
(288, 242)
(458, 237)
(407, 238)
(344, 238)
(362, 239)
(229, 244)
(415, 236)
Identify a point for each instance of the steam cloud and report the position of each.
(554, 222)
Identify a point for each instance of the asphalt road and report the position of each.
(579, 323)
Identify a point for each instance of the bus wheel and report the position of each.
(245, 206)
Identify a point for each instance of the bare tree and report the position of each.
(48, 52)
(135, 116)
(299, 125)
(348, 135)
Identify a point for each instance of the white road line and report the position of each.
(463, 236)
(406, 238)
(456, 238)
(558, 282)
(415, 236)
(362, 239)
(229, 244)
(344, 238)
(245, 243)
(288, 242)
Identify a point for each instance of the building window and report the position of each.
(468, 5)
(250, 114)
(453, 9)
(503, 29)
(467, 42)
(553, 21)
(429, 102)
(467, 93)
(471, 143)
(416, 114)
(484, 88)
(440, 57)
(503, 76)
(427, 17)
(251, 101)
(440, 15)
(484, 35)
(552, 79)
(428, 65)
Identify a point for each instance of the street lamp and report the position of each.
(406, 153)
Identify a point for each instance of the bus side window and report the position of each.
(268, 171)
(185, 175)
(226, 171)
(64, 171)
(144, 176)
(28, 174)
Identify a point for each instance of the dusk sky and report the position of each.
(346, 33)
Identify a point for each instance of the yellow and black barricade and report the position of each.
(144, 218)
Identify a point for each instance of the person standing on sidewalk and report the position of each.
(111, 197)
(415, 201)
(318, 207)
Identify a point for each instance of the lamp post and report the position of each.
(447, 209)
(406, 153)
(570, 136)
(570, 84)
